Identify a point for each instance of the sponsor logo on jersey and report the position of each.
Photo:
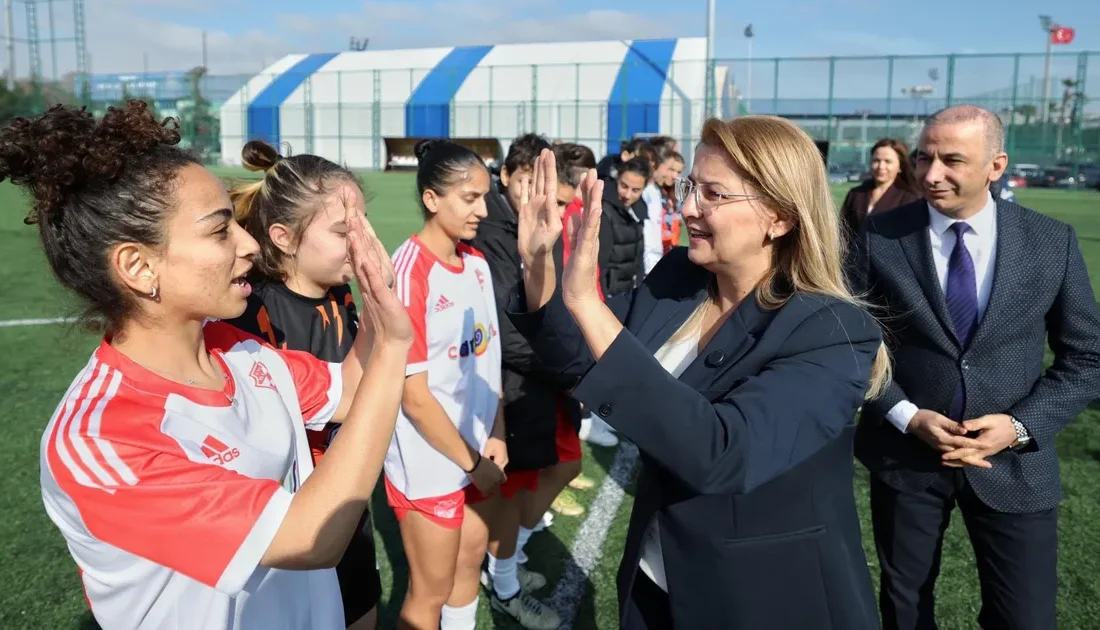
(218, 452)
(476, 345)
(443, 304)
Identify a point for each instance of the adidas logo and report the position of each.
(218, 452)
(443, 304)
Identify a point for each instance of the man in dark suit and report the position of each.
(972, 289)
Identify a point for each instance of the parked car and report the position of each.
(1002, 189)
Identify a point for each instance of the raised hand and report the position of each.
(383, 311)
(539, 214)
(580, 277)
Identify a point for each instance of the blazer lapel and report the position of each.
(1011, 256)
(671, 311)
(891, 198)
(735, 337)
(918, 249)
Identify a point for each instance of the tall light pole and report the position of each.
(9, 25)
(712, 96)
(749, 35)
(1047, 23)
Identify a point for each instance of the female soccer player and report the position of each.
(176, 465)
(450, 431)
(301, 301)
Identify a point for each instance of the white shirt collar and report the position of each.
(980, 224)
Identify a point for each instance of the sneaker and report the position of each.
(580, 482)
(596, 431)
(528, 611)
(529, 581)
(566, 504)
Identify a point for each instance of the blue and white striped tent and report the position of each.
(341, 105)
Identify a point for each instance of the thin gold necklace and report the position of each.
(192, 382)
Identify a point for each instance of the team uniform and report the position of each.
(326, 328)
(168, 495)
(454, 316)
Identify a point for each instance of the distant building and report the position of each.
(345, 106)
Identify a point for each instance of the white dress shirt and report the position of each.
(981, 242)
(675, 357)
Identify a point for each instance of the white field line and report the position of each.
(588, 546)
(8, 323)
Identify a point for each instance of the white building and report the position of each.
(344, 105)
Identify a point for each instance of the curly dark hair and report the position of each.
(95, 184)
(289, 193)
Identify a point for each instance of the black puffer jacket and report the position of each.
(531, 393)
(621, 242)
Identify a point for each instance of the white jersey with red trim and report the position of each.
(454, 315)
(168, 496)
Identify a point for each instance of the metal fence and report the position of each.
(848, 101)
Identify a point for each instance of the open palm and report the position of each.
(383, 311)
(580, 277)
(539, 214)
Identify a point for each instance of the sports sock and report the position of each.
(462, 618)
(524, 536)
(503, 572)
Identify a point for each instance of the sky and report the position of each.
(243, 36)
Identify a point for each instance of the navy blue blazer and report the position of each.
(746, 458)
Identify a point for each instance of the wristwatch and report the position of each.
(1022, 436)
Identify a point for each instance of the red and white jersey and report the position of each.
(454, 315)
(168, 495)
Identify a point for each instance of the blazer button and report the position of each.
(715, 359)
(604, 410)
(966, 364)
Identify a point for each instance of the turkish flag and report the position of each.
(1061, 35)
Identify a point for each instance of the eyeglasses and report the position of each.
(684, 188)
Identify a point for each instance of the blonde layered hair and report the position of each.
(781, 162)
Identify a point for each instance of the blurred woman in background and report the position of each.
(301, 300)
(660, 203)
(892, 184)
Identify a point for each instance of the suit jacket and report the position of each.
(854, 210)
(1041, 294)
(746, 458)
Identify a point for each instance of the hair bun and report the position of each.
(424, 147)
(258, 155)
(66, 149)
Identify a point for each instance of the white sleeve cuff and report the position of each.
(900, 415)
(252, 550)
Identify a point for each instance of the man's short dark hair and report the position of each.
(524, 150)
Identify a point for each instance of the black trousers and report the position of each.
(648, 608)
(1017, 556)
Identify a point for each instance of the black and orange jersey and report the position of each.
(324, 327)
